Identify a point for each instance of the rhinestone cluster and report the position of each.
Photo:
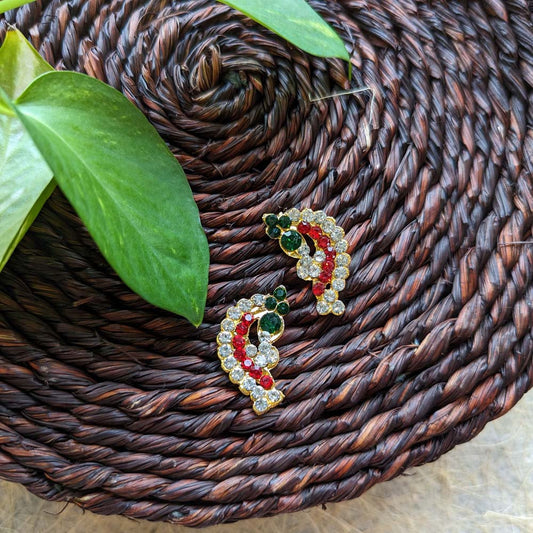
(328, 268)
(248, 365)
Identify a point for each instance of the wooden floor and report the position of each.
(483, 486)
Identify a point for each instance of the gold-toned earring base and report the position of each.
(328, 268)
(248, 365)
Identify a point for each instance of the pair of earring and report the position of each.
(248, 365)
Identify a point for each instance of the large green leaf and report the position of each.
(6, 5)
(25, 178)
(125, 184)
(297, 22)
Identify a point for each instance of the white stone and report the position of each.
(229, 363)
(305, 261)
(236, 374)
(320, 217)
(304, 250)
(338, 284)
(328, 226)
(251, 350)
(274, 396)
(337, 234)
(264, 336)
(224, 336)
(341, 246)
(314, 271)
(225, 350)
(248, 383)
(342, 260)
(257, 392)
(302, 272)
(273, 357)
(293, 214)
(244, 305)
(338, 308)
(234, 313)
(323, 308)
(330, 295)
(308, 215)
(261, 405)
(228, 325)
(260, 360)
(341, 272)
(265, 348)
(258, 299)
(319, 256)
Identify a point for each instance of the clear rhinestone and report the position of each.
(234, 313)
(328, 226)
(341, 246)
(248, 383)
(244, 305)
(341, 272)
(263, 336)
(338, 284)
(320, 256)
(342, 260)
(338, 308)
(261, 405)
(258, 299)
(274, 396)
(224, 336)
(257, 392)
(236, 374)
(229, 363)
(320, 217)
(273, 357)
(293, 214)
(260, 360)
(228, 324)
(322, 307)
(305, 261)
(225, 350)
(308, 215)
(314, 271)
(251, 350)
(337, 234)
(302, 272)
(265, 348)
(304, 250)
(330, 295)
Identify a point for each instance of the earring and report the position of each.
(248, 365)
(330, 263)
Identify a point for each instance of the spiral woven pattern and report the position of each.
(122, 408)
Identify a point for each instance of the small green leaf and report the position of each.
(25, 178)
(125, 184)
(297, 22)
(6, 5)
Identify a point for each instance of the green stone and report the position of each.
(270, 322)
(291, 240)
(270, 303)
(273, 232)
(271, 220)
(284, 222)
(283, 308)
(280, 293)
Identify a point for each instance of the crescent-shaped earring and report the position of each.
(330, 263)
(248, 365)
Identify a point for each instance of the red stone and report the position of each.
(239, 354)
(315, 232)
(238, 341)
(247, 363)
(304, 227)
(330, 252)
(242, 329)
(255, 372)
(325, 277)
(324, 242)
(318, 289)
(266, 381)
(247, 318)
(328, 266)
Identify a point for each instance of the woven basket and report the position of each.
(122, 408)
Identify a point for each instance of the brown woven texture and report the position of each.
(122, 408)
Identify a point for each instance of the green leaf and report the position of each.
(297, 22)
(6, 5)
(25, 178)
(125, 184)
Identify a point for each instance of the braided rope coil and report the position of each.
(123, 409)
